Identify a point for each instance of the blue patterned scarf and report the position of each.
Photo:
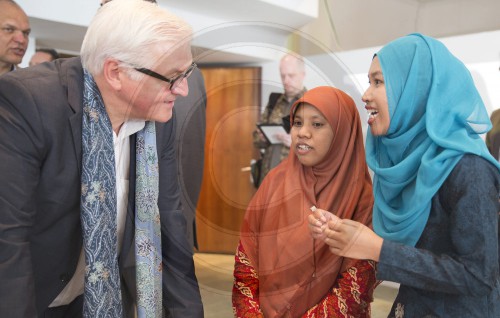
(147, 226)
(102, 295)
(436, 116)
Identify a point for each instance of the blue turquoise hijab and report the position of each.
(436, 117)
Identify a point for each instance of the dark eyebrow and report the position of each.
(8, 25)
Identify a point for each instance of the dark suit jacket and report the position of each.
(40, 230)
(190, 113)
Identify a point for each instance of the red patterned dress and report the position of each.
(349, 297)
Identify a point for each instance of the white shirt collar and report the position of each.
(129, 128)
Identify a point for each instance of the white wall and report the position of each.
(30, 50)
(480, 52)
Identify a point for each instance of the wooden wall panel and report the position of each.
(233, 108)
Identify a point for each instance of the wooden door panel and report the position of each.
(233, 107)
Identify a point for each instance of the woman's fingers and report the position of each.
(341, 234)
(316, 227)
(333, 237)
(352, 239)
(314, 223)
(318, 222)
(319, 214)
(334, 223)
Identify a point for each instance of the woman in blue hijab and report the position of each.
(436, 187)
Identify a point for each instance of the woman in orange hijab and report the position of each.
(280, 270)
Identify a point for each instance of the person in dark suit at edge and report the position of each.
(91, 222)
(190, 112)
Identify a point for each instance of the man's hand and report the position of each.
(259, 135)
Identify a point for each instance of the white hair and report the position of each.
(131, 31)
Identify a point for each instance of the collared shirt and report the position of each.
(121, 142)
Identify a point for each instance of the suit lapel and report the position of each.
(72, 79)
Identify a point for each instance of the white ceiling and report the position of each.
(243, 31)
(367, 23)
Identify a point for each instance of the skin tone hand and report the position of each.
(318, 222)
(286, 139)
(352, 239)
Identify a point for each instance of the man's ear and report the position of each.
(112, 74)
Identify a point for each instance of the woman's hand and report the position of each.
(352, 239)
(318, 222)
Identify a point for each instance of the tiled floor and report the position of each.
(215, 276)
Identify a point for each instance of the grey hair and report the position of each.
(131, 31)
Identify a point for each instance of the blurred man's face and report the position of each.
(14, 34)
(40, 57)
(292, 76)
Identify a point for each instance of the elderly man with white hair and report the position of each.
(91, 222)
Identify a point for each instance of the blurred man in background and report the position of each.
(43, 55)
(14, 35)
(277, 111)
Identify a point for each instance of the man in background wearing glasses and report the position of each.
(91, 222)
(14, 35)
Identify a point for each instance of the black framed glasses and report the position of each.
(174, 82)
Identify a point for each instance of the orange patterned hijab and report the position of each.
(295, 272)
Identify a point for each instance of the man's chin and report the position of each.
(290, 94)
(14, 59)
(162, 117)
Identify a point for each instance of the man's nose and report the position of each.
(182, 89)
(20, 37)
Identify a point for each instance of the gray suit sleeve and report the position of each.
(181, 295)
(190, 113)
(20, 158)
